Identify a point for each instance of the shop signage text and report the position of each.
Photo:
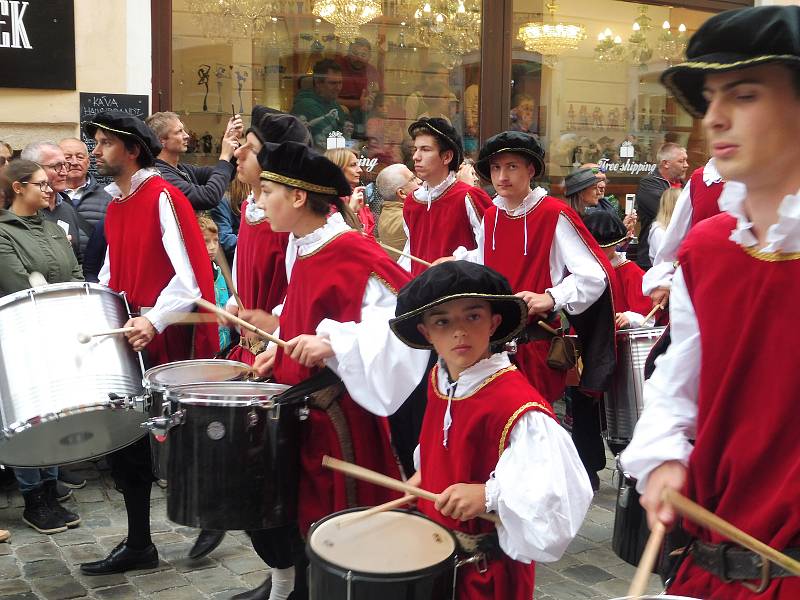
(12, 25)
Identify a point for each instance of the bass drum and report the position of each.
(393, 555)
(54, 390)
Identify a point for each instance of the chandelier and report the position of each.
(451, 27)
(347, 16)
(551, 39)
(639, 50)
(238, 18)
(671, 47)
(609, 47)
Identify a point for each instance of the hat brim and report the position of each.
(685, 80)
(458, 153)
(513, 310)
(482, 166)
(90, 127)
(614, 243)
(584, 185)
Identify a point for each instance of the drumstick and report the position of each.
(649, 316)
(701, 516)
(375, 510)
(387, 482)
(222, 263)
(648, 561)
(84, 338)
(547, 327)
(399, 252)
(240, 322)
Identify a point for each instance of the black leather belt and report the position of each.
(730, 562)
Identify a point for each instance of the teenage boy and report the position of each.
(727, 380)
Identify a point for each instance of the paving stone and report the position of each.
(76, 555)
(596, 533)
(255, 579)
(228, 594)
(156, 582)
(188, 592)
(600, 556)
(89, 495)
(244, 564)
(74, 537)
(160, 526)
(587, 574)
(101, 581)
(38, 551)
(169, 537)
(547, 576)
(5, 549)
(213, 580)
(8, 567)
(61, 587)
(579, 545)
(26, 596)
(13, 586)
(570, 591)
(44, 568)
(190, 532)
(94, 520)
(600, 515)
(186, 565)
(118, 592)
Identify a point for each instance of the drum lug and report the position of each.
(303, 412)
(127, 402)
(511, 346)
(162, 425)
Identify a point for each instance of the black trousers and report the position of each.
(132, 467)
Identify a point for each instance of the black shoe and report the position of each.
(594, 479)
(259, 593)
(70, 479)
(70, 518)
(39, 514)
(62, 491)
(123, 559)
(205, 543)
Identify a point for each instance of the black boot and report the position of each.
(51, 493)
(259, 593)
(205, 543)
(122, 559)
(39, 514)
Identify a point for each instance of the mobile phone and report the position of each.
(630, 203)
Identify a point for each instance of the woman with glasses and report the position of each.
(29, 243)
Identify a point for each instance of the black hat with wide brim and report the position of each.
(516, 142)
(453, 280)
(731, 41)
(446, 134)
(296, 165)
(124, 125)
(605, 227)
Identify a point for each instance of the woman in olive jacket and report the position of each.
(29, 243)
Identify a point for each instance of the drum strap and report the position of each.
(256, 346)
(484, 543)
(730, 562)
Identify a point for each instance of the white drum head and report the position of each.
(651, 597)
(163, 377)
(388, 542)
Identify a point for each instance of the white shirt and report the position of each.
(177, 296)
(660, 275)
(427, 194)
(669, 419)
(578, 279)
(76, 194)
(539, 488)
(635, 319)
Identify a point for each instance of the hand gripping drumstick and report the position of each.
(647, 562)
(387, 482)
(649, 316)
(84, 338)
(240, 322)
(400, 253)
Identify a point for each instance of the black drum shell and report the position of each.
(246, 479)
(328, 581)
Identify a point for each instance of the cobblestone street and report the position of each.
(33, 565)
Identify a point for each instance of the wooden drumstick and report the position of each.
(649, 316)
(387, 482)
(375, 510)
(547, 327)
(401, 253)
(84, 338)
(701, 516)
(647, 562)
(240, 322)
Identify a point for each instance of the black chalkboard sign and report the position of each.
(93, 103)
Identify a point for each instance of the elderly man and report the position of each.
(394, 184)
(60, 211)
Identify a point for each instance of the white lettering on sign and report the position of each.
(18, 38)
(629, 166)
(368, 164)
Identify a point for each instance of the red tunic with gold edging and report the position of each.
(140, 266)
(330, 284)
(480, 432)
(744, 466)
(629, 276)
(704, 198)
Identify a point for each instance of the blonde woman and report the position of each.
(347, 160)
(659, 226)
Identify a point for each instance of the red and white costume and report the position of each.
(157, 256)
(630, 301)
(726, 381)
(440, 219)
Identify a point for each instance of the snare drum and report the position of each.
(234, 455)
(624, 399)
(54, 391)
(163, 377)
(393, 555)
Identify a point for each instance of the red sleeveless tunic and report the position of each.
(482, 424)
(703, 197)
(629, 276)
(142, 269)
(330, 284)
(745, 466)
(439, 231)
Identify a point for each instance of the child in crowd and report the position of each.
(489, 441)
(221, 292)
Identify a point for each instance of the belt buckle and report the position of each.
(766, 578)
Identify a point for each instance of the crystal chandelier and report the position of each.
(236, 18)
(639, 50)
(671, 47)
(347, 16)
(609, 47)
(551, 39)
(451, 27)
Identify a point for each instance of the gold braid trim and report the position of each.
(513, 419)
(388, 285)
(772, 256)
(736, 64)
(487, 381)
(299, 183)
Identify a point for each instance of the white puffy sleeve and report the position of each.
(539, 489)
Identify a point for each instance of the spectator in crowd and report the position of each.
(228, 214)
(581, 190)
(360, 79)
(669, 172)
(394, 185)
(319, 106)
(347, 160)
(203, 186)
(87, 196)
(466, 173)
(6, 152)
(659, 225)
(28, 243)
(523, 117)
(59, 209)
(221, 292)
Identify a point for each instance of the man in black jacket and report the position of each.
(671, 169)
(203, 186)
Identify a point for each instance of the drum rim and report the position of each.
(641, 331)
(178, 394)
(368, 576)
(162, 387)
(56, 287)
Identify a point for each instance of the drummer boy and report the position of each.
(489, 441)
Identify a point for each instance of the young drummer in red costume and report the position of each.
(443, 213)
(489, 441)
(727, 380)
(156, 255)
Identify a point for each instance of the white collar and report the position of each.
(313, 241)
(710, 173)
(617, 259)
(531, 200)
(428, 194)
(137, 179)
(473, 377)
(783, 236)
(252, 213)
(77, 189)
